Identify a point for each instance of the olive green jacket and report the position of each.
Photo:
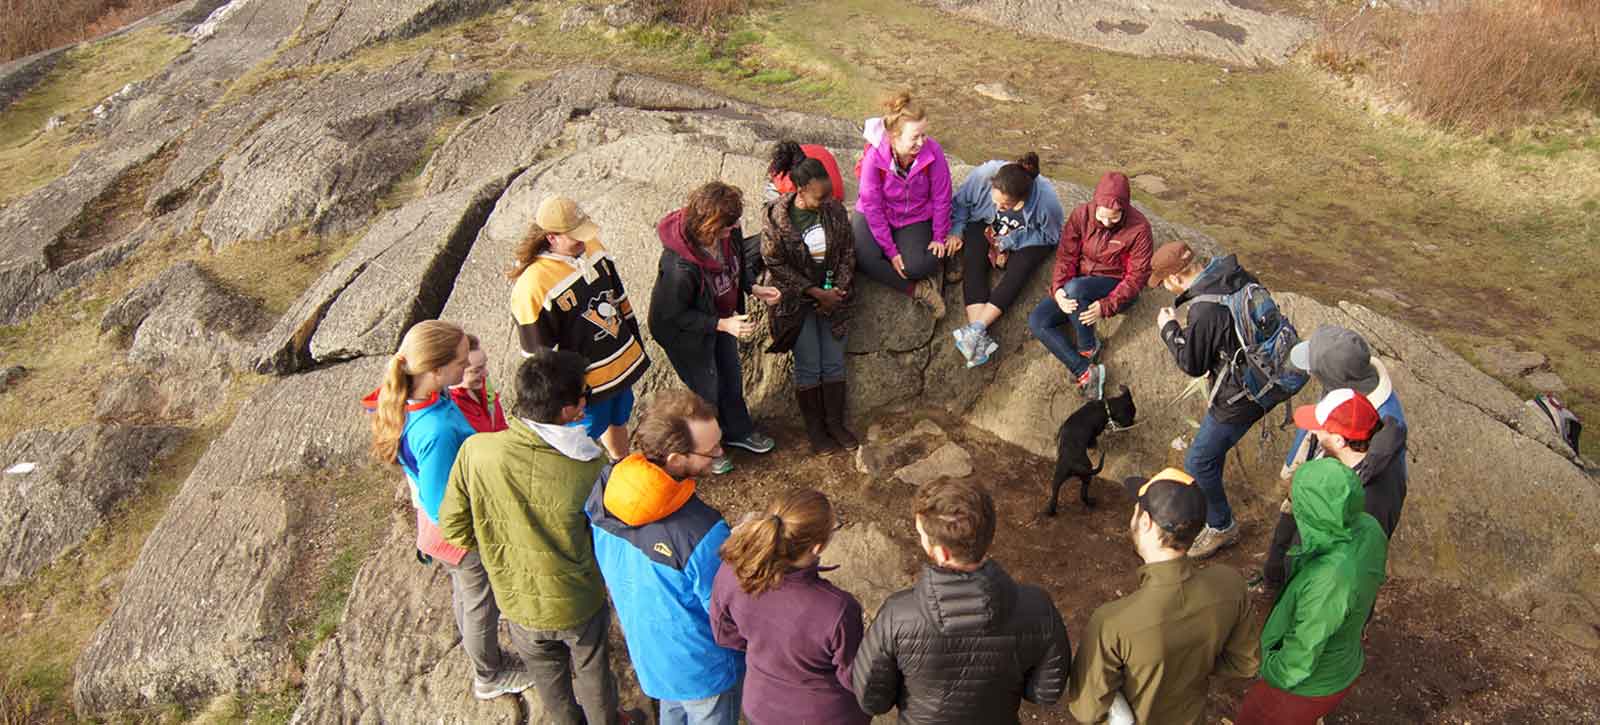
(518, 502)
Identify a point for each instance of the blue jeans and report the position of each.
(1205, 459)
(1046, 321)
(818, 355)
(722, 709)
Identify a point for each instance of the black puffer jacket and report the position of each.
(963, 647)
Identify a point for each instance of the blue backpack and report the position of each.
(1261, 364)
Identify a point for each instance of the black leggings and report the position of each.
(975, 267)
(912, 241)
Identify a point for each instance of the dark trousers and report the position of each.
(1020, 265)
(1047, 319)
(912, 241)
(719, 381)
(477, 615)
(563, 660)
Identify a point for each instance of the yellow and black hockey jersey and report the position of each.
(578, 304)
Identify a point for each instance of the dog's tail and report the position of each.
(1100, 465)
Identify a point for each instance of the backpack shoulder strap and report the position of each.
(1213, 299)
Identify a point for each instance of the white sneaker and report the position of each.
(1210, 540)
(505, 682)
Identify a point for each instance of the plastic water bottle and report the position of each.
(827, 280)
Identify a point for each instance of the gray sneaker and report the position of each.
(1092, 383)
(506, 682)
(1210, 540)
(721, 465)
(755, 443)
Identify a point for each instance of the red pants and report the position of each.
(1268, 705)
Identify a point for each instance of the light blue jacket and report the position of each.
(1042, 214)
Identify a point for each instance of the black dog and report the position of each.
(1080, 432)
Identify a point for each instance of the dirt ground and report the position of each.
(1436, 653)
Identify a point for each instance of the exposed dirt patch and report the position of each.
(111, 217)
(1127, 26)
(1436, 653)
(1220, 28)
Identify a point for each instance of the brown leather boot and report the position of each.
(833, 406)
(811, 410)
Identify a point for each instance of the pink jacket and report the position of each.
(891, 202)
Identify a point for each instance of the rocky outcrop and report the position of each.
(871, 564)
(57, 487)
(337, 28)
(203, 608)
(394, 658)
(325, 158)
(183, 318)
(1227, 31)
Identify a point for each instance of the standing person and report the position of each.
(966, 643)
(810, 257)
(1203, 347)
(657, 544)
(1102, 263)
(1007, 217)
(516, 499)
(788, 155)
(568, 295)
(479, 403)
(1152, 653)
(903, 204)
(416, 427)
(1340, 358)
(1311, 649)
(799, 633)
(697, 307)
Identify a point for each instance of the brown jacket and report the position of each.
(791, 270)
(1160, 645)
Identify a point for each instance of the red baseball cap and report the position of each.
(1343, 411)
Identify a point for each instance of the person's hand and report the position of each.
(938, 249)
(1167, 314)
(828, 300)
(769, 295)
(739, 326)
(899, 264)
(1091, 314)
(1067, 304)
(952, 243)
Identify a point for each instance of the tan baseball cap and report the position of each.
(1169, 260)
(560, 215)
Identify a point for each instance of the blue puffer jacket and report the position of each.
(656, 543)
(1042, 213)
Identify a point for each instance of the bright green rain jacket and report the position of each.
(1311, 644)
(518, 502)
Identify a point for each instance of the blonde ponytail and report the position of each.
(427, 346)
(761, 551)
(899, 108)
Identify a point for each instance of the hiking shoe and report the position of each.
(966, 341)
(631, 717)
(1090, 354)
(926, 293)
(1092, 383)
(506, 682)
(982, 350)
(1210, 540)
(721, 465)
(754, 442)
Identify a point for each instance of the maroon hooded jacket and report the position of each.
(1089, 249)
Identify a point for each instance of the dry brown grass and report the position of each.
(34, 25)
(1488, 65)
(705, 13)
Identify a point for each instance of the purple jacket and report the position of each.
(891, 202)
(799, 641)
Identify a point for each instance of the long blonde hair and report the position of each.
(899, 109)
(533, 244)
(763, 550)
(427, 346)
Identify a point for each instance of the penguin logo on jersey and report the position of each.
(602, 313)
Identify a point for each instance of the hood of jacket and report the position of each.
(1328, 498)
(874, 132)
(675, 236)
(639, 492)
(1223, 276)
(1112, 192)
(965, 602)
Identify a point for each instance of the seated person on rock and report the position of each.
(1005, 216)
(1102, 263)
(809, 255)
(787, 156)
(903, 204)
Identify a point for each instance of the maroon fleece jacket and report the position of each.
(1089, 249)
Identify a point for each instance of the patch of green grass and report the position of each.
(328, 604)
(31, 156)
(774, 76)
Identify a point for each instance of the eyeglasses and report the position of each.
(713, 453)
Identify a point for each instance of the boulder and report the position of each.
(947, 461)
(883, 454)
(1216, 30)
(1545, 381)
(336, 28)
(325, 159)
(1509, 362)
(394, 657)
(183, 318)
(202, 611)
(129, 399)
(59, 486)
(872, 564)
